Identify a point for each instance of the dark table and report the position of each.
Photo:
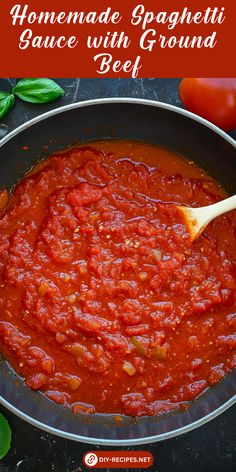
(211, 448)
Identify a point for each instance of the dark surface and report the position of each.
(210, 448)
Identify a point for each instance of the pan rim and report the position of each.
(113, 100)
(119, 442)
(148, 439)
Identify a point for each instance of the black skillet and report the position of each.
(125, 118)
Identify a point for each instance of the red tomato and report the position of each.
(213, 99)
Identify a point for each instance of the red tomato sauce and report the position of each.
(105, 305)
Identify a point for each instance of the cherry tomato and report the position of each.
(213, 99)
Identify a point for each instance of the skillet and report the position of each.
(122, 118)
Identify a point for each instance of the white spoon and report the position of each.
(196, 219)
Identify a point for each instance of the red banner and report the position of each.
(168, 38)
(118, 459)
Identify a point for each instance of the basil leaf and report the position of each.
(5, 436)
(37, 90)
(6, 102)
(3, 95)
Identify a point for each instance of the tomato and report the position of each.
(213, 99)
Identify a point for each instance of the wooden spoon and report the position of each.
(196, 219)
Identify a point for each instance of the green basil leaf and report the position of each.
(37, 90)
(5, 436)
(6, 102)
(3, 95)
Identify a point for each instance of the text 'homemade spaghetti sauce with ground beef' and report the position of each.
(105, 305)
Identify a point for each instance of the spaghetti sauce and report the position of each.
(105, 305)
